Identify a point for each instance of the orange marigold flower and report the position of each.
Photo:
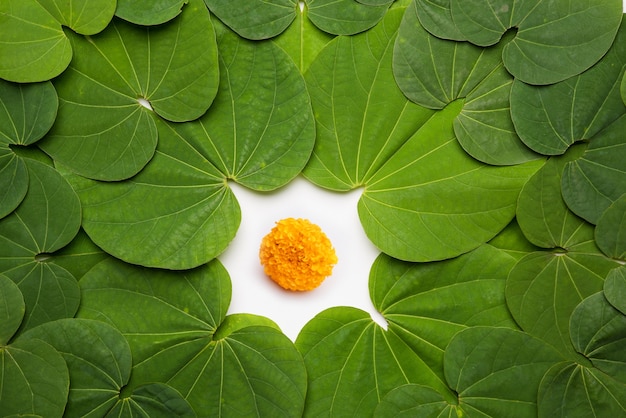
(297, 254)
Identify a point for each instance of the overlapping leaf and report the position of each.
(610, 232)
(47, 220)
(148, 12)
(345, 17)
(549, 119)
(12, 309)
(99, 363)
(434, 72)
(411, 200)
(86, 17)
(102, 130)
(223, 366)
(547, 33)
(615, 288)
(27, 111)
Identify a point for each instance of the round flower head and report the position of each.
(297, 255)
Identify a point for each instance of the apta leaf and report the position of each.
(610, 233)
(345, 17)
(116, 68)
(148, 12)
(27, 111)
(12, 309)
(86, 17)
(185, 340)
(615, 288)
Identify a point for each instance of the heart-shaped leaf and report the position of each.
(593, 182)
(610, 232)
(177, 213)
(345, 17)
(436, 17)
(32, 43)
(47, 219)
(86, 17)
(434, 72)
(27, 111)
(37, 380)
(255, 19)
(149, 12)
(12, 309)
(222, 367)
(615, 288)
(549, 119)
(115, 69)
(428, 303)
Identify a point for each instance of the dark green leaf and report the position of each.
(12, 309)
(410, 400)
(610, 232)
(593, 182)
(149, 12)
(615, 288)
(152, 400)
(116, 68)
(344, 17)
(436, 17)
(177, 213)
(255, 19)
(34, 378)
(33, 46)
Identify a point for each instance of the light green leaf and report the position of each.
(434, 72)
(410, 400)
(359, 126)
(221, 368)
(12, 309)
(486, 366)
(47, 220)
(593, 182)
(344, 17)
(255, 19)
(574, 391)
(426, 304)
(35, 380)
(542, 214)
(27, 111)
(615, 288)
(79, 256)
(86, 17)
(260, 131)
(513, 241)
(598, 332)
(303, 40)
(376, 2)
(543, 289)
(32, 43)
(176, 214)
(548, 34)
(549, 119)
(116, 68)
(98, 359)
(352, 363)
(610, 232)
(149, 12)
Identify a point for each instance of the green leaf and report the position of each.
(549, 119)
(426, 304)
(543, 289)
(574, 391)
(260, 131)
(153, 400)
(436, 17)
(344, 17)
(12, 309)
(86, 17)
(542, 214)
(149, 12)
(303, 40)
(116, 68)
(434, 72)
(352, 363)
(32, 43)
(184, 339)
(615, 288)
(46, 220)
(513, 241)
(98, 359)
(485, 366)
(593, 182)
(547, 34)
(610, 232)
(27, 111)
(598, 332)
(412, 400)
(255, 19)
(182, 215)
(35, 380)
(79, 256)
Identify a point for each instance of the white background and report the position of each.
(336, 214)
